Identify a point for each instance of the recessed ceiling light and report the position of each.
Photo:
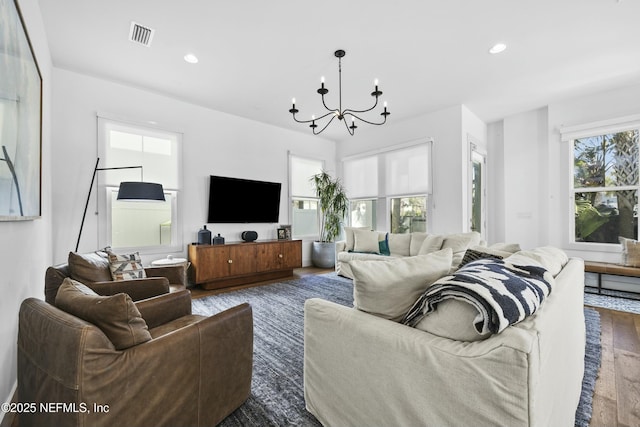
(497, 48)
(191, 58)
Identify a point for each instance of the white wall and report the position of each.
(214, 143)
(521, 179)
(25, 251)
(449, 128)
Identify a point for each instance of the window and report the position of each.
(304, 204)
(409, 214)
(363, 213)
(605, 186)
(140, 225)
(397, 179)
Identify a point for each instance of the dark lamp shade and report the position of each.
(141, 191)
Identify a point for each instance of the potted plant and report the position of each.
(333, 204)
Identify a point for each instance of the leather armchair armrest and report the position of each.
(165, 308)
(176, 274)
(137, 289)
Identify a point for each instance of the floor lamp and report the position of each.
(129, 190)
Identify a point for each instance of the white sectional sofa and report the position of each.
(361, 244)
(362, 369)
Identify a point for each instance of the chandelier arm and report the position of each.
(351, 131)
(367, 121)
(331, 110)
(325, 126)
(316, 119)
(349, 110)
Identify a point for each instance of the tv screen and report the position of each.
(233, 200)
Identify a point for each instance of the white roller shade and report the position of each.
(361, 177)
(301, 172)
(407, 171)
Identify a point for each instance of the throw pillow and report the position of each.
(89, 268)
(126, 267)
(483, 252)
(349, 238)
(383, 245)
(474, 254)
(388, 289)
(366, 241)
(630, 252)
(116, 315)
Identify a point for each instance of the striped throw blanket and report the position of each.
(503, 293)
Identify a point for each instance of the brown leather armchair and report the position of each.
(93, 270)
(192, 371)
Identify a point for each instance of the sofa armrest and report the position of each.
(176, 274)
(351, 356)
(341, 246)
(211, 359)
(137, 289)
(164, 308)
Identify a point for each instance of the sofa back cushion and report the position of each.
(116, 315)
(89, 268)
(432, 243)
(400, 244)
(459, 243)
(389, 288)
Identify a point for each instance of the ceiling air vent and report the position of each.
(141, 34)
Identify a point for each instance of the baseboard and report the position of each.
(8, 417)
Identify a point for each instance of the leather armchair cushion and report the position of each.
(89, 268)
(116, 315)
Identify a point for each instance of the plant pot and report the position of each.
(323, 254)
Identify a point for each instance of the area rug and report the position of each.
(277, 397)
(613, 300)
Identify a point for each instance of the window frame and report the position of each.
(292, 197)
(569, 134)
(105, 187)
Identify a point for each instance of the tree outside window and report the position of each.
(606, 184)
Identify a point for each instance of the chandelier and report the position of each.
(339, 112)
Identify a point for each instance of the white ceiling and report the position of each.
(256, 55)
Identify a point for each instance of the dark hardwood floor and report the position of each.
(616, 401)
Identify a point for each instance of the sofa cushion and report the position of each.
(549, 257)
(454, 319)
(417, 239)
(506, 247)
(630, 252)
(459, 243)
(116, 315)
(126, 267)
(388, 289)
(89, 268)
(399, 244)
(366, 241)
(432, 243)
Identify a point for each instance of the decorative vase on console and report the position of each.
(333, 204)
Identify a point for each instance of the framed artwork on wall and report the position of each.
(20, 119)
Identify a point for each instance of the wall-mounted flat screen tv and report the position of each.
(233, 200)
